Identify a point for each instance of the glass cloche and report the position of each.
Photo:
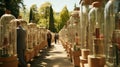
(95, 28)
(111, 32)
(7, 46)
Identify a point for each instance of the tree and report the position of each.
(25, 14)
(34, 17)
(64, 16)
(75, 5)
(31, 15)
(13, 6)
(51, 21)
(57, 21)
(2, 8)
(44, 14)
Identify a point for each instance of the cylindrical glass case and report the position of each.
(84, 9)
(31, 35)
(12, 39)
(74, 28)
(95, 28)
(7, 46)
(111, 32)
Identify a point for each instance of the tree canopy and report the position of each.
(34, 16)
(51, 21)
(12, 5)
(64, 16)
(44, 14)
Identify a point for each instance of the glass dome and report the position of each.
(74, 28)
(12, 39)
(31, 35)
(95, 28)
(111, 32)
(84, 9)
(5, 38)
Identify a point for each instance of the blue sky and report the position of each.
(56, 4)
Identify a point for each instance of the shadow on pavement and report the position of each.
(52, 57)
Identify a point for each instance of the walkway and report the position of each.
(52, 57)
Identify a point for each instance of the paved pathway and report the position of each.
(52, 57)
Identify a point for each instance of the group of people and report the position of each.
(49, 38)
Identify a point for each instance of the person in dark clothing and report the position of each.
(49, 38)
(21, 45)
(56, 37)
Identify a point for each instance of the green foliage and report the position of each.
(2, 8)
(12, 5)
(64, 16)
(25, 14)
(51, 21)
(57, 21)
(44, 10)
(31, 15)
(44, 14)
(34, 17)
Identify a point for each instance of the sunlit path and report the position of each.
(52, 57)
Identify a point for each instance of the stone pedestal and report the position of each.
(75, 57)
(84, 56)
(82, 61)
(85, 53)
(32, 52)
(69, 51)
(86, 65)
(66, 46)
(42, 45)
(36, 50)
(29, 54)
(9, 61)
(96, 61)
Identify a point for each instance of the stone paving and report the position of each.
(52, 57)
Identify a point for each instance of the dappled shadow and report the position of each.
(38, 61)
(52, 57)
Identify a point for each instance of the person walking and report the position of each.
(49, 38)
(21, 45)
(56, 37)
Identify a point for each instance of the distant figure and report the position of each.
(49, 38)
(21, 45)
(56, 37)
